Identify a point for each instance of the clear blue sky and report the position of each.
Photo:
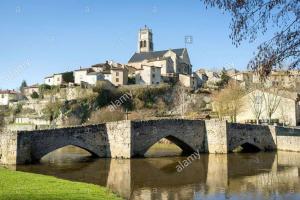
(39, 38)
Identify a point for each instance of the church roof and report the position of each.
(138, 57)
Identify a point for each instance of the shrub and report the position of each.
(34, 95)
(106, 115)
(52, 110)
(17, 109)
(72, 121)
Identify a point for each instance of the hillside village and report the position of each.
(152, 84)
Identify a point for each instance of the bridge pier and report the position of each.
(216, 136)
(127, 139)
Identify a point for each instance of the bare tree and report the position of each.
(271, 101)
(228, 102)
(256, 103)
(253, 17)
(219, 104)
(284, 116)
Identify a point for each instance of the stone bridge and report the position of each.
(127, 139)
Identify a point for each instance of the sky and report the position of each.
(39, 38)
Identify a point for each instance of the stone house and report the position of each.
(201, 77)
(116, 73)
(231, 71)
(8, 96)
(288, 79)
(188, 81)
(119, 76)
(87, 75)
(148, 75)
(171, 61)
(31, 89)
(212, 78)
(245, 78)
(59, 79)
(288, 109)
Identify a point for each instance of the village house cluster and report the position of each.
(145, 67)
(149, 67)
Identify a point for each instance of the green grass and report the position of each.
(26, 186)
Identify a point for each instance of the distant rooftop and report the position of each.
(138, 57)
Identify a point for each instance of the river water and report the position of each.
(232, 176)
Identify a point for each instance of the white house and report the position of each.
(148, 75)
(87, 75)
(59, 79)
(49, 80)
(286, 103)
(7, 96)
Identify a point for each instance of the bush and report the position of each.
(145, 96)
(17, 109)
(52, 110)
(72, 121)
(106, 115)
(34, 95)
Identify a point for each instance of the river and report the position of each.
(232, 176)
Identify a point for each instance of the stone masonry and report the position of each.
(127, 139)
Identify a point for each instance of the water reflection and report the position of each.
(233, 176)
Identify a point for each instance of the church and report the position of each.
(172, 61)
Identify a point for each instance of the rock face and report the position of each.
(127, 139)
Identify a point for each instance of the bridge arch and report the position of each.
(247, 146)
(49, 148)
(188, 135)
(186, 149)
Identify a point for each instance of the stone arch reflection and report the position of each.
(213, 174)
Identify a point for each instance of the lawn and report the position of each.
(26, 186)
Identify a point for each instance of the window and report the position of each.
(2, 96)
(117, 73)
(153, 75)
(117, 79)
(58, 79)
(141, 43)
(145, 44)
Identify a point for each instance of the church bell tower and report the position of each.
(145, 43)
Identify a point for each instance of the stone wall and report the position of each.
(288, 139)
(127, 139)
(259, 136)
(216, 137)
(189, 135)
(119, 139)
(33, 145)
(8, 147)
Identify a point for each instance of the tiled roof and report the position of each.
(84, 69)
(138, 57)
(94, 73)
(8, 92)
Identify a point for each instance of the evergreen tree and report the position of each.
(23, 85)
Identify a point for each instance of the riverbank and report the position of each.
(26, 186)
